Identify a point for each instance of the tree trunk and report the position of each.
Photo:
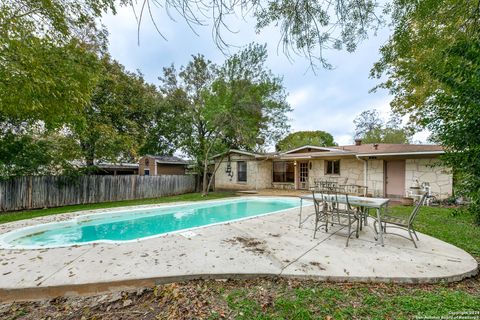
(214, 171)
(205, 173)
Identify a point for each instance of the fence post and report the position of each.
(29, 192)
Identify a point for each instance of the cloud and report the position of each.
(299, 97)
(327, 100)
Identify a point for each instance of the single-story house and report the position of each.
(161, 165)
(388, 170)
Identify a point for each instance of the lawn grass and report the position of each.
(317, 300)
(21, 215)
(448, 224)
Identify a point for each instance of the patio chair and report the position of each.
(359, 191)
(402, 223)
(321, 210)
(330, 211)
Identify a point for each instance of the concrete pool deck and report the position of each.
(270, 245)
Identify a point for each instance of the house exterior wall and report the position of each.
(438, 176)
(375, 177)
(161, 168)
(259, 174)
(171, 169)
(142, 166)
(350, 169)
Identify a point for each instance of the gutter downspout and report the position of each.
(365, 169)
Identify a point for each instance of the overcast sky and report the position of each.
(328, 100)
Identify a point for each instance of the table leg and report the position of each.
(300, 217)
(365, 216)
(380, 229)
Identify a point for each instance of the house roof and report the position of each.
(313, 155)
(118, 165)
(168, 159)
(321, 149)
(257, 155)
(381, 149)
(391, 149)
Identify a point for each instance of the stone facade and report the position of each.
(259, 174)
(431, 171)
(375, 177)
(351, 171)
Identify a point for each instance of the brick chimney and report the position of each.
(358, 142)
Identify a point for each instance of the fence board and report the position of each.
(55, 191)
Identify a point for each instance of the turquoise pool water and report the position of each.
(136, 224)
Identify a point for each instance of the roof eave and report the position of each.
(312, 147)
(401, 153)
(246, 153)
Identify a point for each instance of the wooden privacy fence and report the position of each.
(56, 191)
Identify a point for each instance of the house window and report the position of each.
(283, 171)
(146, 172)
(241, 171)
(332, 166)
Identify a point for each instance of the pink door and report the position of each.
(395, 178)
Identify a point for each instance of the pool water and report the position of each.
(141, 223)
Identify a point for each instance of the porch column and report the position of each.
(297, 168)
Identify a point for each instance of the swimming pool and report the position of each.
(134, 224)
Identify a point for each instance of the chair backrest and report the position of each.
(318, 197)
(353, 190)
(414, 213)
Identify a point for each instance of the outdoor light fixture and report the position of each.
(310, 165)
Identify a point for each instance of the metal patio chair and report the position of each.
(330, 211)
(359, 191)
(402, 223)
(321, 210)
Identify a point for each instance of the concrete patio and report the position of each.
(271, 245)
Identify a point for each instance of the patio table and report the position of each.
(361, 202)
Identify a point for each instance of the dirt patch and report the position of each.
(250, 244)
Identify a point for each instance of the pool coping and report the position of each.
(81, 215)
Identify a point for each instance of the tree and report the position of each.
(302, 138)
(48, 66)
(307, 27)
(432, 66)
(26, 150)
(234, 105)
(115, 124)
(371, 129)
